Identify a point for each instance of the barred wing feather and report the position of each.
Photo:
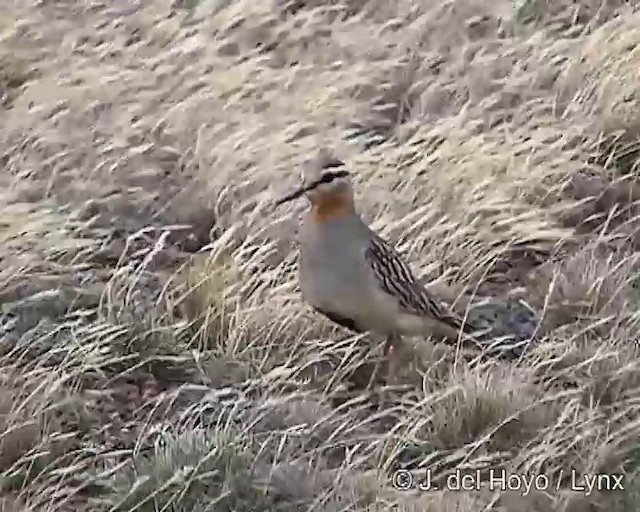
(396, 278)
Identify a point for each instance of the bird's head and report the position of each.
(327, 185)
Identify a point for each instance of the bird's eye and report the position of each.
(328, 177)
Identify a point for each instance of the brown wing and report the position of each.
(396, 278)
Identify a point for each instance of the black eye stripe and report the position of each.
(334, 162)
(328, 177)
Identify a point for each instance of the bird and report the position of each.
(355, 278)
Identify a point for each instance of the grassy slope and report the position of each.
(139, 374)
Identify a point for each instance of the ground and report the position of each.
(155, 353)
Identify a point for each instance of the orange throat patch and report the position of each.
(329, 205)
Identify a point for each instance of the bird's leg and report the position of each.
(390, 356)
(376, 370)
(391, 353)
(374, 374)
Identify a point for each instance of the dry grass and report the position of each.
(154, 351)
